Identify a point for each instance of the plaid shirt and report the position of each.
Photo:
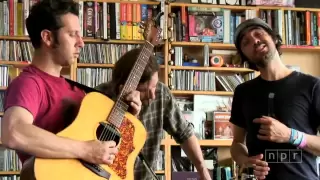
(161, 114)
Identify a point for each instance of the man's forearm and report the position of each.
(40, 143)
(192, 149)
(239, 153)
(313, 145)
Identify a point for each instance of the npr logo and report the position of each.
(283, 156)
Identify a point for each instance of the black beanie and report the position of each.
(242, 28)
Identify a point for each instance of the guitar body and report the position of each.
(94, 110)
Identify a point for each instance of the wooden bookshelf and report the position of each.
(216, 69)
(307, 57)
(206, 142)
(86, 40)
(220, 93)
(9, 172)
(6, 62)
(232, 47)
(95, 65)
(101, 65)
(181, 4)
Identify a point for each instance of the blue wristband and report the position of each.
(299, 136)
(292, 136)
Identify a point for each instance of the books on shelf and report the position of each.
(4, 78)
(103, 20)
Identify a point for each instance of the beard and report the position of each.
(263, 60)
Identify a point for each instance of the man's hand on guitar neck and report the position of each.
(134, 101)
(98, 152)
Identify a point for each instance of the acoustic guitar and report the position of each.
(102, 119)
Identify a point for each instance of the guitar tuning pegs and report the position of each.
(171, 87)
(172, 15)
(170, 28)
(142, 24)
(171, 51)
(140, 31)
(170, 63)
(171, 39)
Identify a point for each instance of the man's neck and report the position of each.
(275, 70)
(45, 62)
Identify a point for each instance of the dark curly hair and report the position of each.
(46, 14)
(278, 42)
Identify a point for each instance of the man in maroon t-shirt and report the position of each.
(40, 102)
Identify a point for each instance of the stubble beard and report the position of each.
(266, 59)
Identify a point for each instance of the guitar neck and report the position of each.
(138, 68)
(131, 84)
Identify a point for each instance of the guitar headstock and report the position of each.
(151, 32)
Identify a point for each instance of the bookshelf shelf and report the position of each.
(9, 172)
(86, 40)
(181, 4)
(100, 65)
(232, 47)
(17, 38)
(2, 62)
(1, 113)
(3, 88)
(286, 8)
(212, 45)
(207, 142)
(134, 1)
(221, 93)
(95, 65)
(92, 40)
(178, 4)
(159, 172)
(222, 69)
(300, 48)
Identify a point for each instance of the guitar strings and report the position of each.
(110, 135)
(107, 135)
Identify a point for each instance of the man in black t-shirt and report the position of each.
(275, 116)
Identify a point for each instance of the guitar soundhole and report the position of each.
(108, 132)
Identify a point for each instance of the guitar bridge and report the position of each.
(96, 169)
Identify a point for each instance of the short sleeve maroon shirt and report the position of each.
(51, 100)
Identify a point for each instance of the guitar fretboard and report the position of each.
(120, 107)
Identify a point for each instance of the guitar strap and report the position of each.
(88, 89)
(85, 88)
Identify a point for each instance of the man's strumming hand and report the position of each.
(98, 152)
(272, 130)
